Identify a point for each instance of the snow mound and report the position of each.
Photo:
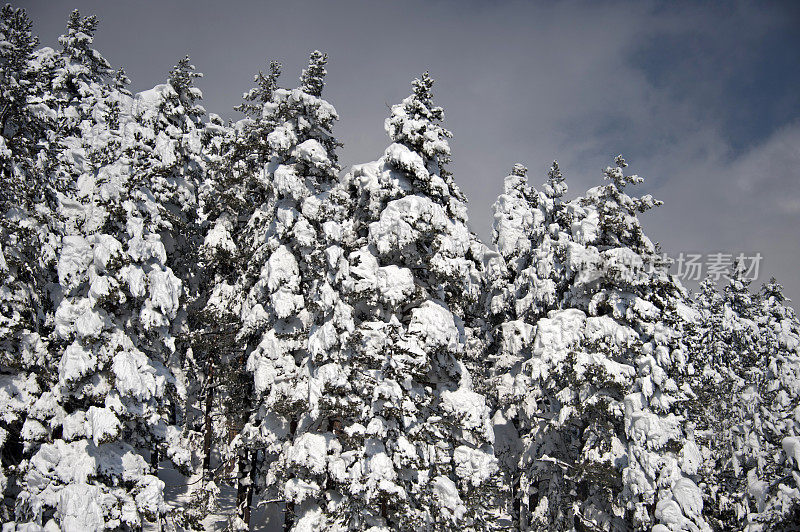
(446, 494)
(435, 326)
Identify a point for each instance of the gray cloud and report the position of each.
(700, 98)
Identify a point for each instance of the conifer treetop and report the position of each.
(555, 186)
(617, 210)
(774, 290)
(415, 116)
(182, 75)
(312, 80)
(15, 34)
(181, 79)
(420, 147)
(255, 98)
(18, 82)
(617, 175)
(517, 180)
(121, 81)
(77, 44)
(519, 169)
(737, 293)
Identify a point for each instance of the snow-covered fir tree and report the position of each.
(279, 284)
(523, 284)
(590, 388)
(24, 119)
(233, 190)
(526, 231)
(88, 436)
(173, 156)
(774, 484)
(747, 394)
(27, 243)
(725, 344)
(394, 436)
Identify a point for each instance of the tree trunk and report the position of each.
(155, 458)
(208, 430)
(288, 512)
(288, 517)
(252, 486)
(244, 489)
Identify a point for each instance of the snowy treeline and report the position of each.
(181, 295)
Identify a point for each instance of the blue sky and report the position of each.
(702, 98)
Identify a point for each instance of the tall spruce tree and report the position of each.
(593, 394)
(237, 201)
(746, 379)
(724, 348)
(280, 284)
(173, 156)
(394, 435)
(233, 190)
(24, 118)
(530, 234)
(27, 243)
(107, 408)
(773, 482)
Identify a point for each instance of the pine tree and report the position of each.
(280, 282)
(593, 396)
(531, 235)
(23, 118)
(747, 347)
(82, 72)
(173, 156)
(87, 437)
(255, 98)
(27, 243)
(773, 482)
(725, 347)
(394, 436)
(248, 151)
(234, 191)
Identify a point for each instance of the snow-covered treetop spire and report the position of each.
(422, 88)
(312, 80)
(708, 298)
(181, 78)
(513, 215)
(121, 81)
(615, 173)
(17, 80)
(737, 293)
(516, 180)
(617, 211)
(555, 186)
(519, 169)
(415, 122)
(17, 40)
(77, 43)
(255, 98)
(774, 290)
(420, 149)
(301, 122)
